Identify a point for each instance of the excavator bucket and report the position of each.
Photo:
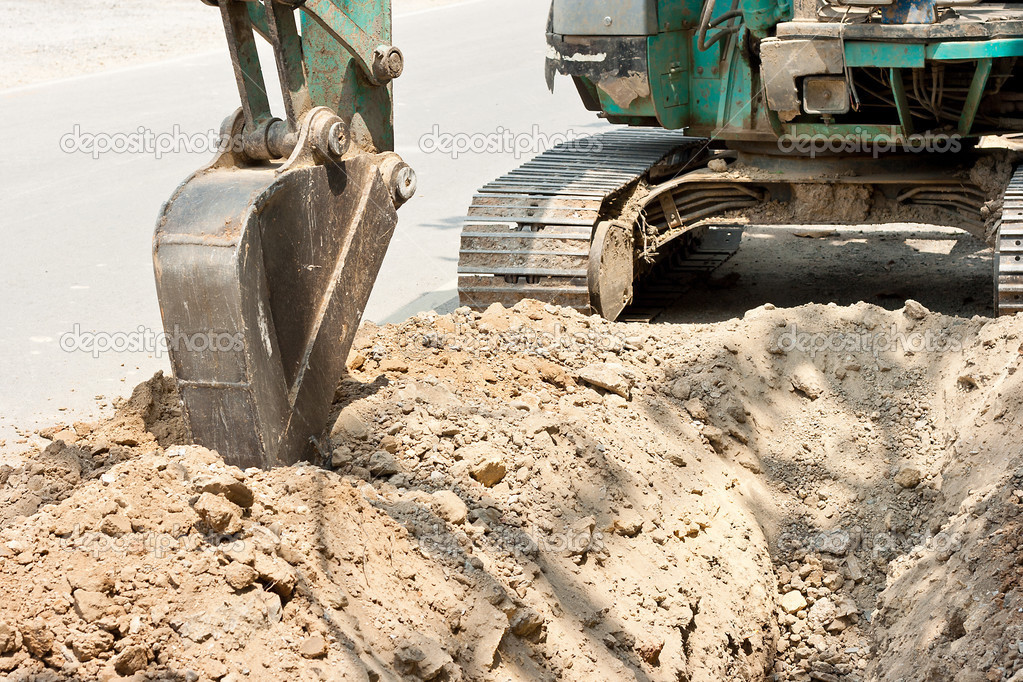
(265, 258)
(263, 279)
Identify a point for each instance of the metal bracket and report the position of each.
(380, 63)
(784, 61)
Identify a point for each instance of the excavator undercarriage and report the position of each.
(783, 105)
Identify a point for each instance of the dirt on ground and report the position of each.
(815, 493)
(846, 202)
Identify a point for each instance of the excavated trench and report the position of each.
(814, 493)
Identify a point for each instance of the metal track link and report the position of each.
(1009, 250)
(527, 234)
(669, 284)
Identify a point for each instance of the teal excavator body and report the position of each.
(760, 70)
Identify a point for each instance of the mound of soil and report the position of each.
(818, 493)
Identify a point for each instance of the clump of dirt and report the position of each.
(150, 418)
(841, 204)
(533, 494)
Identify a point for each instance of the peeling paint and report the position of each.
(552, 53)
(624, 91)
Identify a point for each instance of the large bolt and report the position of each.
(388, 63)
(399, 176)
(405, 184)
(337, 139)
(328, 134)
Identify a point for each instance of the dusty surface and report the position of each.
(52, 39)
(842, 201)
(826, 493)
(947, 270)
(63, 38)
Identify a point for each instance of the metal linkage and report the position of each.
(276, 243)
(266, 138)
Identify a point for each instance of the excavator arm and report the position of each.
(265, 258)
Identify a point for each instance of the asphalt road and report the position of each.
(77, 227)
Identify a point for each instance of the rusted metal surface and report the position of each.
(610, 273)
(342, 72)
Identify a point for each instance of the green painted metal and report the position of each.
(707, 90)
(669, 56)
(673, 15)
(914, 55)
(718, 92)
(976, 49)
(248, 73)
(735, 110)
(257, 17)
(338, 63)
(975, 94)
(328, 62)
(345, 28)
(884, 55)
(283, 31)
(901, 100)
(761, 16)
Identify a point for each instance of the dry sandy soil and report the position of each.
(797, 492)
(813, 493)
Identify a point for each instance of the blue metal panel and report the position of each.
(909, 12)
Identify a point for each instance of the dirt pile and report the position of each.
(848, 203)
(534, 494)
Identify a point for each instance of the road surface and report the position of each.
(77, 229)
